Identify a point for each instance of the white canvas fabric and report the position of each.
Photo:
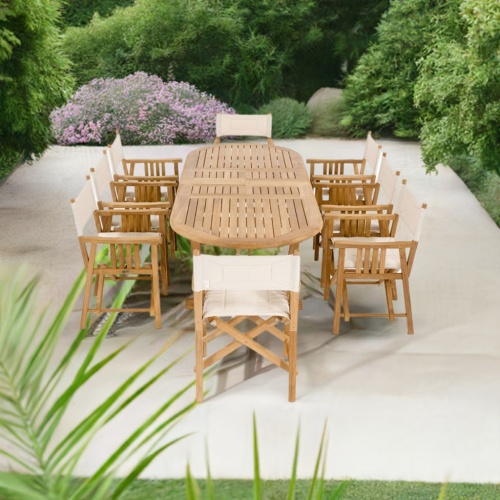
(115, 156)
(392, 260)
(246, 272)
(411, 215)
(230, 303)
(372, 155)
(242, 125)
(83, 207)
(100, 177)
(390, 183)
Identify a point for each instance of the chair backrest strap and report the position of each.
(246, 272)
(83, 207)
(241, 125)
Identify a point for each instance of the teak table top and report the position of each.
(245, 196)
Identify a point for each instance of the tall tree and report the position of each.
(458, 91)
(34, 78)
(379, 93)
(80, 12)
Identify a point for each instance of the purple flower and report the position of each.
(145, 109)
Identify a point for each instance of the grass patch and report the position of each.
(226, 489)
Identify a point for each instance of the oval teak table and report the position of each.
(245, 196)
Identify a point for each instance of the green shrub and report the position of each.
(290, 117)
(34, 79)
(458, 89)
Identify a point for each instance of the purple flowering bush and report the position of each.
(142, 107)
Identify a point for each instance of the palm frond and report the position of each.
(36, 392)
(257, 483)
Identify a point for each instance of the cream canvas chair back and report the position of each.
(372, 156)
(115, 155)
(243, 125)
(411, 215)
(83, 207)
(246, 272)
(390, 183)
(100, 179)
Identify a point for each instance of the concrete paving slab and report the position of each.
(423, 407)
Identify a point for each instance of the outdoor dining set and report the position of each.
(360, 215)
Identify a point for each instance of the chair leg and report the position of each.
(88, 285)
(200, 348)
(155, 287)
(199, 365)
(292, 365)
(286, 343)
(338, 300)
(99, 289)
(394, 290)
(390, 285)
(406, 294)
(345, 303)
(316, 245)
(164, 270)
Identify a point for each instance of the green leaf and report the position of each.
(192, 489)
(257, 483)
(293, 478)
(319, 458)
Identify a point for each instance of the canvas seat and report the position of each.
(246, 303)
(230, 290)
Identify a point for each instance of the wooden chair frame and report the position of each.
(138, 217)
(353, 222)
(368, 164)
(371, 266)
(333, 190)
(127, 166)
(202, 288)
(126, 258)
(126, 262)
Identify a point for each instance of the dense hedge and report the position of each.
(433, 73)
(34, 78)
(245, 52)
(80, 12)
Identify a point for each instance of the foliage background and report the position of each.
(244, 52)
(80, 12)
(34, 78)
(433, 73)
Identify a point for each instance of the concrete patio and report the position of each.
(424, 407)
